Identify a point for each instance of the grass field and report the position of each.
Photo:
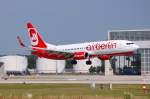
(71, 91)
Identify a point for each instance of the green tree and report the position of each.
(68, 65)
(98, 69)
(128, 59)
(92, 69)
(31, 61)
(102, 66)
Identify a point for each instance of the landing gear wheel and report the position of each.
(88, 62)
(74, 62)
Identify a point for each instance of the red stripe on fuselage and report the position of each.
(46, 54)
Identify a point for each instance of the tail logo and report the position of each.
(34, 38)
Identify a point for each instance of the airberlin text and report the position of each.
(98, 46)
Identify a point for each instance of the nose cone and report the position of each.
(136, 47)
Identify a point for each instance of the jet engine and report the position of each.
(80, 55)
(104, 57)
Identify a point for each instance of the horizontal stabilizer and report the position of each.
(20, 42)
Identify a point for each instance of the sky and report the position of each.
(69, 21)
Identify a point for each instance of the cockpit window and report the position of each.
(129, 43)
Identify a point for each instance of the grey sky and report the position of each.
(69, 21)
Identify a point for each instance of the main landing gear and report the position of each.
(74, 62)
(88, 62)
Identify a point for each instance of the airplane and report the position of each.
(103, 50)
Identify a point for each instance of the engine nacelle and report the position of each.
(80, 55)
(104, 57)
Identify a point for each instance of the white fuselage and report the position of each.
(100, 47)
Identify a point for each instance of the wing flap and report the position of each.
(66, 54)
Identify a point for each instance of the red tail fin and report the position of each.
(36, 39)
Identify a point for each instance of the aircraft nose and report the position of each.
(136, 47)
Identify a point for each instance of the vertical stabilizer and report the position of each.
(36, 40)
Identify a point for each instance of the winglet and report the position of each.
(20, 42)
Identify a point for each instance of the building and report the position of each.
(141, 60)
(13, 64)
(49, 66)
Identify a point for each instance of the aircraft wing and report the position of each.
(60, 53)
(54, 52)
